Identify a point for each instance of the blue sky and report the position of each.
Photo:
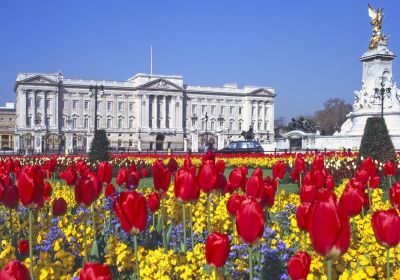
(307, 50)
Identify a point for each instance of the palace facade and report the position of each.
(146, 112)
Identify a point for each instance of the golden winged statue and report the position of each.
(376, 22)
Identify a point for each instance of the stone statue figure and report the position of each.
(248, 135)
(376, 22)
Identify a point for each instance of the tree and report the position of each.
(332, 116)
(99, 147)
(376, 141)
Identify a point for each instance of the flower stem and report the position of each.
(162, 222)
(216, 272)
(369, 195)
(184, 226)
(233, 229)
(84, 236)
(136, 256)
(329, 268)
(93, 222)
(388, 263)
(11, 227)
(30, 244)
(191, 224)
(208, 214)
(279, 197)
(251, 261)
(305, 240)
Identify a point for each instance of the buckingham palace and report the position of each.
(147, 112)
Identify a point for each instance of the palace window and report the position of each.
(222, 110)
(74, 122)
(29, 102)
(259, 125)
(230, 125)
(213, 110)
(85, 122)
(48, 103)
(38, 103)
(74, 104)
(231, 110)
(119, 142)
(86, 105)
(212, 125)
(130, 123)
(203, 109)
(120, 106)
(240, 110)
(194, 109)
(108, 123)
(120, 123)
(29, 121)
(130, 142)
(266, 126)
(131, 106)
(240, 126)
(109, 105)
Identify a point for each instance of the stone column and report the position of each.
(33, 108)
(22, 95)
(185, 144)
(55, 109)
(38, 142)
(271, 117)
(179, 112)
(195, 140)
(16, 142)
(165, 115)
(263, 116)
(154, 112)
(44, 113)
(172, 123)
(220, 140)
(256, 128)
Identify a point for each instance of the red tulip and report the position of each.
(104, 172)
(295, 175)
(299, 164)
(47, 191)
(153, 201)
(386, 226)
(254, 187)
(237, 179)
(363, 177)
(318, 163)
(132, 180)
(109, 190)
(278, 170)
(329, 226)
(69, 175)
(122, 176)
(329, 182)
(207, 176)
(131, 210)
(220, 166)
(369, 165)
(250, 221)
(30, 187)
(186, 185)
(302, 216)
(23, 247)
(2, 187)
(95, 271)
(87, 190)
(10, 196)
(352, 199)
(161, 176)
(308, 193)
(221, 182)
(143, 172)
(389, 168)
(59, 207)
(172, 165)
(217, 249)
(208, 156)
(14, 270)
(9, 165)
(299, 266)
(374, 182)
(394, 195)
(233, 204)
(268, 195)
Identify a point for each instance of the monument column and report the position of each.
(22, 107)
(164, 121)
(172, 123)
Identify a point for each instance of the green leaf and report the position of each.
(94, 252)
(207, 269)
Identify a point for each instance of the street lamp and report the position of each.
(194, 119)
(94, 90)
(380, 93)
(139, 130)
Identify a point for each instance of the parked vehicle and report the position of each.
(242, 147)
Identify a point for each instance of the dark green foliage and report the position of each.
(100, 147)
(376, 142)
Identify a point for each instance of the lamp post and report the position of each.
(380, 93)
(93, 90)
(139, 130)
